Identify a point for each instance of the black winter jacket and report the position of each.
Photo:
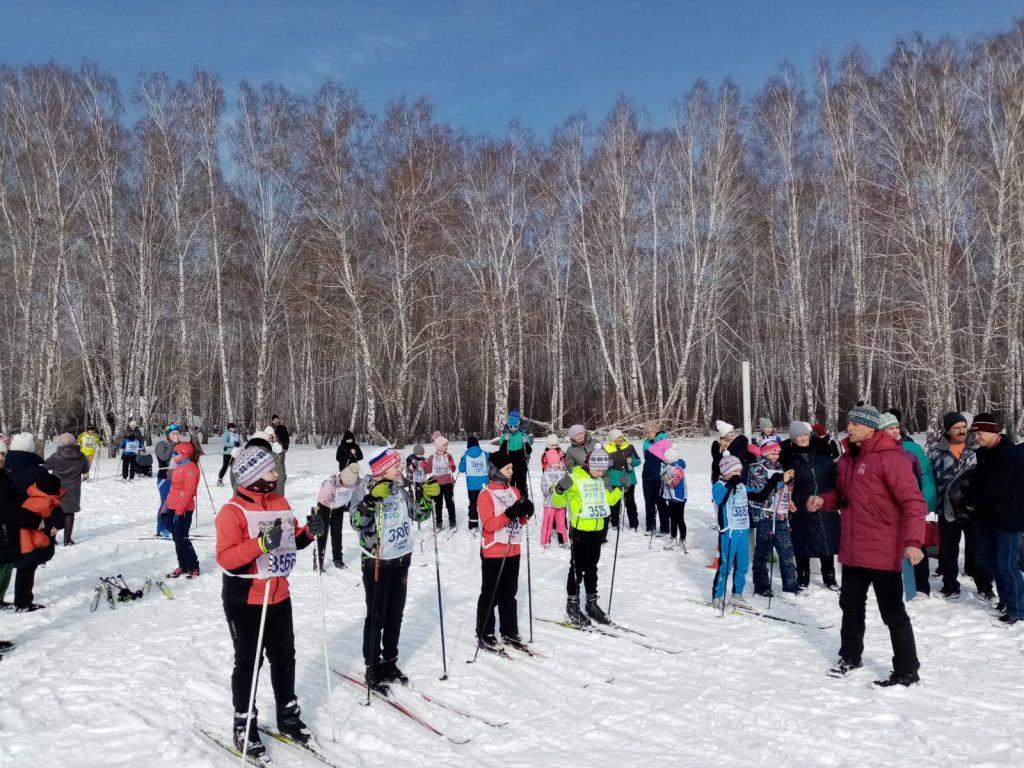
(997, 490)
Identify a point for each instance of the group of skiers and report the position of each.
(871, 499)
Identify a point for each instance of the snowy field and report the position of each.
(127, 687)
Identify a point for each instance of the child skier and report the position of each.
(164, 452)
(257, 537)
(503, 512)
(131, 444)
(473, 465)
(583, 491)
(181, 503)
(673, 483)
(770, 517)
(553, 464)
(338, 493)
(385, 537)
(441, 466)
(732, 504)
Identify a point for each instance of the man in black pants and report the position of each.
(953, 459)
(882, 522)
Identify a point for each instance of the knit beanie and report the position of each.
(864, 414)
(553, 440)
(886, 420)
(671, 456)
(252, 463)
(383, 461)
(616, 435)
(951, 419)
(724, 428)
(799, 429)
(472, 442)
(983, 422)
(418, 450)
(513, 418)
(764, 424)
(728, 464)
(23, 441)
(500, 458)
(575, 430)
(598, 459)
(441, 443)
(48, 484)
(170, 428)
(65, 438)
(819, 430)
(349, 475)
(652, 426)
(552, 457)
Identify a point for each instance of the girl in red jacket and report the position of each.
(502, 514)
(178, 509)
(257, 537)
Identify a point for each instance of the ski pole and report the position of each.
(256, 667)
(615, 557)
(440, 607)
(490, 605)
(208, 493)
(373, 600)
(725, 552)
(323, 624)
(529, 580)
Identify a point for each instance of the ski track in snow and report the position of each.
(125, 687)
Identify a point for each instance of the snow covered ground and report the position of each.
(126, 687)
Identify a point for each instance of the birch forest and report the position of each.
(171, 250)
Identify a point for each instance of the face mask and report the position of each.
(263, 486)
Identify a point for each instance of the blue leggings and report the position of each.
(734, 555)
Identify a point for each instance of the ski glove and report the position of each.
(431, 489)
(315, 525)
(522, 509)
(565, 483)
(381, 490)
(270, 539)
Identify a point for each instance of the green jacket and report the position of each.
(622, 473)
(573, 501)
(928, 489)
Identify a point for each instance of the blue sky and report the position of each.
(481, 62)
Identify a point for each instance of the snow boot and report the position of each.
(594, 611)
(339, 563)
(390, 672)
(256, 748)
(844, 667)
(576, 616)
(377, 681)
(803, 577)
(739, 601)
(289, 723)
(905, 679)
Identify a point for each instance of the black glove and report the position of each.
(525, 509)
(564, 483)
(315, 525)
(270, 539)
(732, 482)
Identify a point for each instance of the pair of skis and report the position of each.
(739, 611)
(616, 630)
(312, 749)
(106, 589)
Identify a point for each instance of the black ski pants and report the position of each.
(949, 556)
(334, 522)
(225, 463)
(503, 591)
(25, 578)
(655, 506)
(474, 515)
(445, 498)
(384, 612)
(278, 643)
(629, 500)
(888, 587)
(677, 518)
(128, 467)
(585, 553)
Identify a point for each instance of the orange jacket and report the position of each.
(237, 551)
(42, 504)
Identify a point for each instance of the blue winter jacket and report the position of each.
(475, 469)
(652, 464)
(230, 440)
(130, 446)
(679, 492)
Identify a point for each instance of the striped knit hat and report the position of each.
(598, 459)
(728, 464)
(251, 464)
(986, 422)
(864, 414)
(384, 461)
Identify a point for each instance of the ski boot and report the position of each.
(516, 641)
(255, 748)
(594, 611)
(390, 672)
(289, 723)
(576, 616)
(739, 601)
(339, 563)
(194, 574)
(176, 573)
(377, 681)
(718, 603)
(490, 644)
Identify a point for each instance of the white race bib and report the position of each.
(280, 561)
(594, 502)
(476, 465)
(737, 509)
(393, 528)
(342, 496)
(418, 475)
(513, 532)
(439, 466)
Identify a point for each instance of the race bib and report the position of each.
(439, 466)
(739, 514)
(418, 475)
(342, 496)
(513, 532)
(278, 563)
(89, 441)
(393, 528)
(594, 502)
(476, 465)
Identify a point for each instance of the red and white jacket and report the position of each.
(184, 482)
(237, 551)
(491, 506)
(441, 466)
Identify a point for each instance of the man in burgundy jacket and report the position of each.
(882, 521)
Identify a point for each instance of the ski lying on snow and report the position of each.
(399, 706)
(311, 748)
(610, 632)
(499, 651)
(457, 710)
(737, 610)
(260, 762)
